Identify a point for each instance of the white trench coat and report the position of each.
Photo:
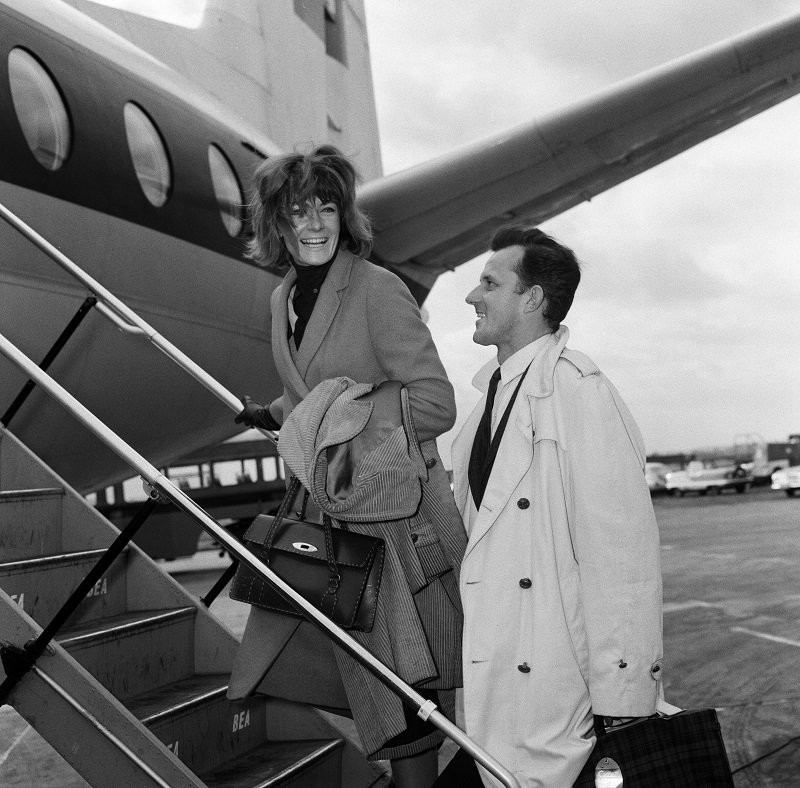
(561, 580)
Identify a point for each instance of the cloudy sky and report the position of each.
(691, 280)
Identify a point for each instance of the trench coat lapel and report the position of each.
(515, 453)
(513, 461)
(328, 304)
(504, 465)
(461, 448)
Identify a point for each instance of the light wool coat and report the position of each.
(561, 580)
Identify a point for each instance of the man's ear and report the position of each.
(535, 299)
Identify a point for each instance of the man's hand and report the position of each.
(615, 722)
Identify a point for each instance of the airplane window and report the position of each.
(40, 109)
(149, 155)
(227, 190)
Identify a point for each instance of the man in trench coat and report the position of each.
(561, 580)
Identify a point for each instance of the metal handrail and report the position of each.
(124, 317)
(426, 709)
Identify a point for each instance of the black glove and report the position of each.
(255, 415)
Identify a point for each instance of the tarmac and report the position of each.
(731, 566)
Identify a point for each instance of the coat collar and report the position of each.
(539, 380)
(295, 365)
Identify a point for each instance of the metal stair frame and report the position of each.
(69, 707)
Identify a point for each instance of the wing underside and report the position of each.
(435, 216)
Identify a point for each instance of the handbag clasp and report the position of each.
(607, 774)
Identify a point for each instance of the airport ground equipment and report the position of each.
(115, 664)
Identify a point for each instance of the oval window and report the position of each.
(227, 190)
(149, 155)
(40, 108)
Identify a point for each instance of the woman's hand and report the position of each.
(255, 415)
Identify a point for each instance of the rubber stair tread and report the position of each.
(129, 620)
(271, 763)
(178, 695)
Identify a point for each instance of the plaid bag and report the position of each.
(683, 750)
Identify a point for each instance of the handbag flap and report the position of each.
(308, 539)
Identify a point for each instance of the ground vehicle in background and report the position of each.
(787, 479)
(704, 476)
(656, 475)
(233, 481)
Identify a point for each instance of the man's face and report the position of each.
(502, 316)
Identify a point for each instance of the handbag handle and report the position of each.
(329, 599)
(291, 493)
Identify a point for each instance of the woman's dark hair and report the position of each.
(545, 262)
(295, 179)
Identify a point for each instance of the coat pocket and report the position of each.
(429, 551)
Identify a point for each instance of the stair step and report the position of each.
(199, 724)
(300, 764)
(40, 586)
(30, 522)
(132, 653)
(155, 704)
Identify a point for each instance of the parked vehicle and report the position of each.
(656, 475)
(704, 476)
(787, 479)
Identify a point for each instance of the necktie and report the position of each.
(480, 446)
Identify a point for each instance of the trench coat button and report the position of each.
(523, 503)
(526, 582)
(431, 463)
(414, 537)
(524, 668)
(655, 670)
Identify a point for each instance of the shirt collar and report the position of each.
(518, 362)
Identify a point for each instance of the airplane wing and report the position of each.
(437, 215)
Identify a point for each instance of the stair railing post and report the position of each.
(50, 356)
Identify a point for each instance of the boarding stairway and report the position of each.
(141, 667)
(127, 680)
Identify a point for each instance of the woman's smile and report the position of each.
(312, 232)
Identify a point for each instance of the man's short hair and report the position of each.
(545, 262)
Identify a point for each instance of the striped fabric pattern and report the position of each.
(417, 628)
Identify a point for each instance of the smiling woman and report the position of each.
(336, 315)
(311, 232)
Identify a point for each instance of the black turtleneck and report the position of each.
(306, 289)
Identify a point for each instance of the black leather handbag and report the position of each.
(337, 570)
(683, 750)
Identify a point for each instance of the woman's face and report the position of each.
(311, 233)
